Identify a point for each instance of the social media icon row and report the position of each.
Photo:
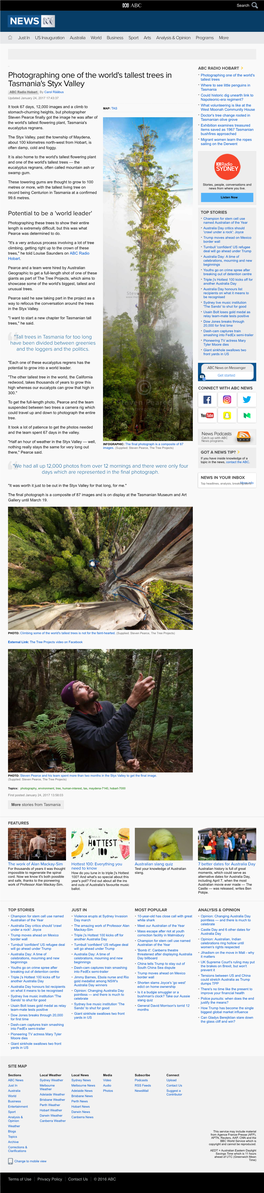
(227, 400)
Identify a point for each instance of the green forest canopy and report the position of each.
(51, 549)
(147, 379)
(37, 715)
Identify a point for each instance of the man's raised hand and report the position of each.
(141, 690)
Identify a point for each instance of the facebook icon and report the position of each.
(207, 400)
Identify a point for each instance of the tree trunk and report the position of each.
(162, 550)
(171, 715)
(97, 529)
(154, 714)
(42, 689)
(138, 420)
(47, 670)
(170, 724)
(33, 519)
(142, 389)
(74, 524)
(128, 673)
(132, 613)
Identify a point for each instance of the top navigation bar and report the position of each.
(139, 40)
(236, 19)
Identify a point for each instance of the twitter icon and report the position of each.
(246, 399)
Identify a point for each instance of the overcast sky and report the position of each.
(173, 151)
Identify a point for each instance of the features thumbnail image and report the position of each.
(100, 710)
(163, 844)
(79, 568)
(148, 278)
(100, 844)
(36, 844)
(227, 844)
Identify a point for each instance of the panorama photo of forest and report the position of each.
(148, 278)
(160, 733)
(100, 568)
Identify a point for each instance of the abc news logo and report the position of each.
(29, 22)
